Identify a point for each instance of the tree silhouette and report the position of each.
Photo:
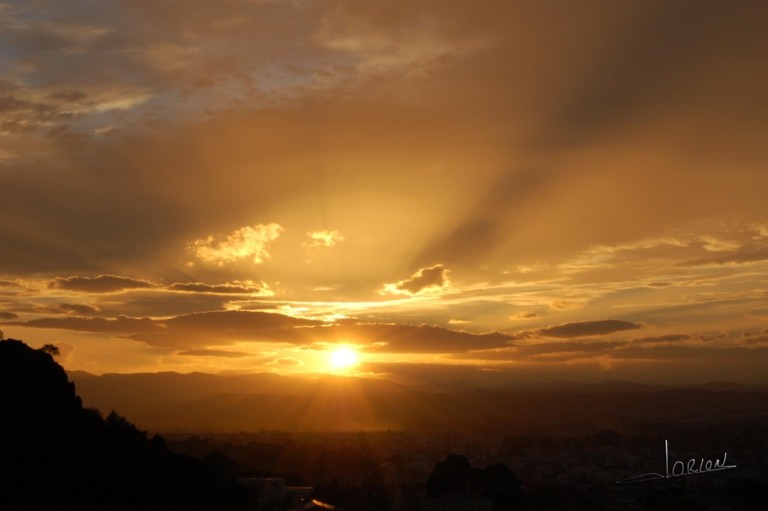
(455, 475)
(452, 475)
(51, 349)
(502, 486)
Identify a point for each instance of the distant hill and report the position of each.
(201, 403)
(55, 454)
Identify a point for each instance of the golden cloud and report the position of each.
(323, 238)
(425, 281)
(249, 242)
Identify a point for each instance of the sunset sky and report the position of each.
(480, 191)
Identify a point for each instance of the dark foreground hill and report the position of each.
(54, 454)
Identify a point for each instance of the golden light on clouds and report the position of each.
(201, 189)
(249, 242)
(319, 239)
(432, 280)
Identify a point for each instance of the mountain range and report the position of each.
(198, 402)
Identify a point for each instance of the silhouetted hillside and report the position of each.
(54, 454)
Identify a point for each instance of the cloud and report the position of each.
(753, 339)
(391, 338)
(291, 362)
(524, 316)
(160, 303)
(121, 324)
(713, 244)
(662, 339)
(230, 326)
(213, 353)
(746, 254)
(127, 142)
(76, 308)
(7, 315)
(225, 327)
(587, 328)
(249, 242)
(100, 284)
(566, 305)
(237, 287)
(190, 330)
(426, 280)
(323, 239)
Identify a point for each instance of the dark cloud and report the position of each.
(77, 308)
(587, 328)
(8, 315)
(230, 288)
(161, 303)
(672, 338)
(241, 321)
(121, 324)
(229, 326)
(99, 284)
(414, 339)
(191, 330)
(225, 327)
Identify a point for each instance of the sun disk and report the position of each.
(343, 358)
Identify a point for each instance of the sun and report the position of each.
(343, 358)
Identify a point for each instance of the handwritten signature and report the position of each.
(681, 469)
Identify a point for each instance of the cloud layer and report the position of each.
(526, 183)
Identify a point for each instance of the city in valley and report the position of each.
(566, 446)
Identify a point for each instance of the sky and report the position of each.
(488, 191)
